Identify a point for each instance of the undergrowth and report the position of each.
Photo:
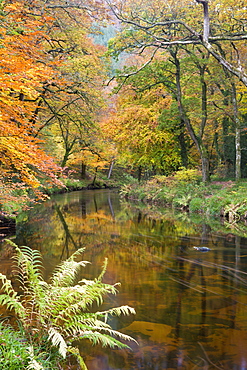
(185, 191)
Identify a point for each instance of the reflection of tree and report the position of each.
(184, 283)
(206, 233)
(73, 225)
(68, 235)
(110, 206)
(83, 205)
(206, 361)
(220, 291)
(95, 204)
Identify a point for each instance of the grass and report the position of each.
(16, 352)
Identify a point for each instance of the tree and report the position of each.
(134, 128)
(180, 25)
(56, 78)
(73, 106)
(24, 72)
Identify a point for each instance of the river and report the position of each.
(191, 306)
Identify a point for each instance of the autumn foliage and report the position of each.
(176, 103)
(50, 82)
(24, 71)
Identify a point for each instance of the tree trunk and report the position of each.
(68, 148)
(95, 176)
(206, 23)
(183, 146)
(65, 158)
(196, 140)
(205, 164)
(237, 133)
(238, 154)
(83, 170)
(239, 72)
(110, 169)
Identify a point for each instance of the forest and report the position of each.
(109, 88)
(145, 96)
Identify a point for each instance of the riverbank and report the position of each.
(222, 198)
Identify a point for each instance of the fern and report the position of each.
(118, 311)
(58, 341)
(10, 299)
(76, 353)
(100, 277)
(104, 340)
(59, 312)
(66, 273)
(33, 364)
(28, 270)
(76, 254)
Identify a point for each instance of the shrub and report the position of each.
(187, 175)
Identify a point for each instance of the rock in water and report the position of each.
(202, 249)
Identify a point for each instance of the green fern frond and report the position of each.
(76, 254)
(10, 298)
(104, 267)
(28, 270)
(44, 285)
(81, 325)
(59, 299)
(29, 257)
(12, 303)
(86, 282)
(67, 272)
(58, 341)
(60, 310)
(89, 294)
(104, 340)
(6, 285)
(94, 328)
(118, 311)
(112, 333)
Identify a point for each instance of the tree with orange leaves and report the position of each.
(24, 70)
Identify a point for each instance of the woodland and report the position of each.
(110, 93)
(119, 88)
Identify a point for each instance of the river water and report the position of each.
(191, 306)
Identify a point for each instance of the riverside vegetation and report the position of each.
(51, 316)
(185, 191)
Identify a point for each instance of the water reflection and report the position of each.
(191, 306)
